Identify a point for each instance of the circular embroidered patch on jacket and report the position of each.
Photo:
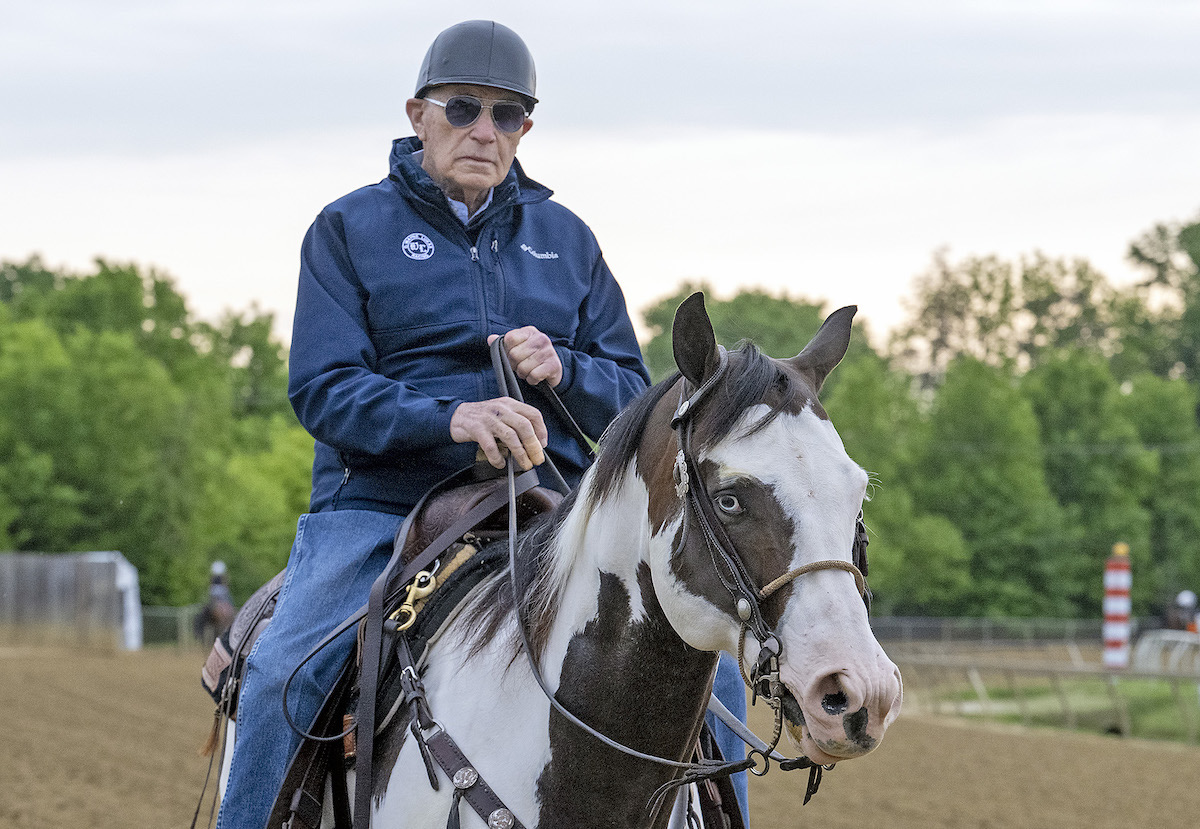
(417, 246)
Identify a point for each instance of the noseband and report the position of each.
(764, 677)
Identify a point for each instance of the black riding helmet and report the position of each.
(480, 52)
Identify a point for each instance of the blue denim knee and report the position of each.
(335, 559)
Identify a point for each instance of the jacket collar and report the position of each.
(517, 188)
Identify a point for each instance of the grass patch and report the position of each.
(1149, 708)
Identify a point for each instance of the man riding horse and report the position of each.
(402, 286)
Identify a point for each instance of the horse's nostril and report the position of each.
(835, 703)
(856, 728)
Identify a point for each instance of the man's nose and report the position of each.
(484, 128)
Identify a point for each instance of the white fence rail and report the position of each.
(1167, 651)
(1049, 693)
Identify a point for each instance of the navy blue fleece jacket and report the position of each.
(395, 303)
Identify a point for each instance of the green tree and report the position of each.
(38, 506)
(918, 561)
(1096, 468)
(1006, 314)
(1161, 314)
(248, 512)
(1163, 412)
(125, 424)
(981, 469)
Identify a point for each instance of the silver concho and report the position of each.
(680, 474)
(501, 819)
(465, 778)
(743, 609)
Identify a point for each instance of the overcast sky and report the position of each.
(826, 150)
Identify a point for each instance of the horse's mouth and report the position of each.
(855, 742)
(792, 711)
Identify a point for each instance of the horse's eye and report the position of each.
(729, 504)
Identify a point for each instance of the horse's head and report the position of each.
(754, 508)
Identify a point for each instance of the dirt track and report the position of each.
(100, 742)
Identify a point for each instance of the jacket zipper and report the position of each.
(337, 494)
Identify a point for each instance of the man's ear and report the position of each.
(417, 111)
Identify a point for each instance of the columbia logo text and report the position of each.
(536, 255)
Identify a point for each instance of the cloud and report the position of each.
(130, 77)
(824, 149)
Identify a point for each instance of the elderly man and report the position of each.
(402, 286)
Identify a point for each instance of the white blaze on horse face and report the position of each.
(800, 457)
(847, 687)
(828, 648)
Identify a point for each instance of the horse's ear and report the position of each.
(827, 348)
(693, 341)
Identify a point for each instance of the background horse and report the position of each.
(626, 594)
(217, 614)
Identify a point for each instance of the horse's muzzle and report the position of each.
(845, 713)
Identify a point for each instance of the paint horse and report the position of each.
(720, 515)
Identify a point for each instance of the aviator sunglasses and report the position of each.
(463, 111)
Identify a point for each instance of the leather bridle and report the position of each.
(763, 678)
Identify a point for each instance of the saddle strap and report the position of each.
(469, 784)
(372, 646)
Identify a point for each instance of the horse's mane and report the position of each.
(540, 577)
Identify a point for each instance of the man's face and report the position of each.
(468, 161)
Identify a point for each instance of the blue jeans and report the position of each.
(731, 691)
(334, 561)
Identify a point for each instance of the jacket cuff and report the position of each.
(567, 357)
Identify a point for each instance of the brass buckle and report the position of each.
(422, 585)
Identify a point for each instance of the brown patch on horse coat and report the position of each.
(607, 679)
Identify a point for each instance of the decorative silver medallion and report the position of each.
(465, 778)
(501, 819)
(680, 474)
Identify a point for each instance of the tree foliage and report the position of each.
(123, 421)
(1028, 416)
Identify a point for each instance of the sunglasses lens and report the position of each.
(508, 115)
(461, 111)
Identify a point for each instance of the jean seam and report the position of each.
(290, 572)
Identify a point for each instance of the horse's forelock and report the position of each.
(753, 379)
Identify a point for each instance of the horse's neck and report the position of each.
(623, 670)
